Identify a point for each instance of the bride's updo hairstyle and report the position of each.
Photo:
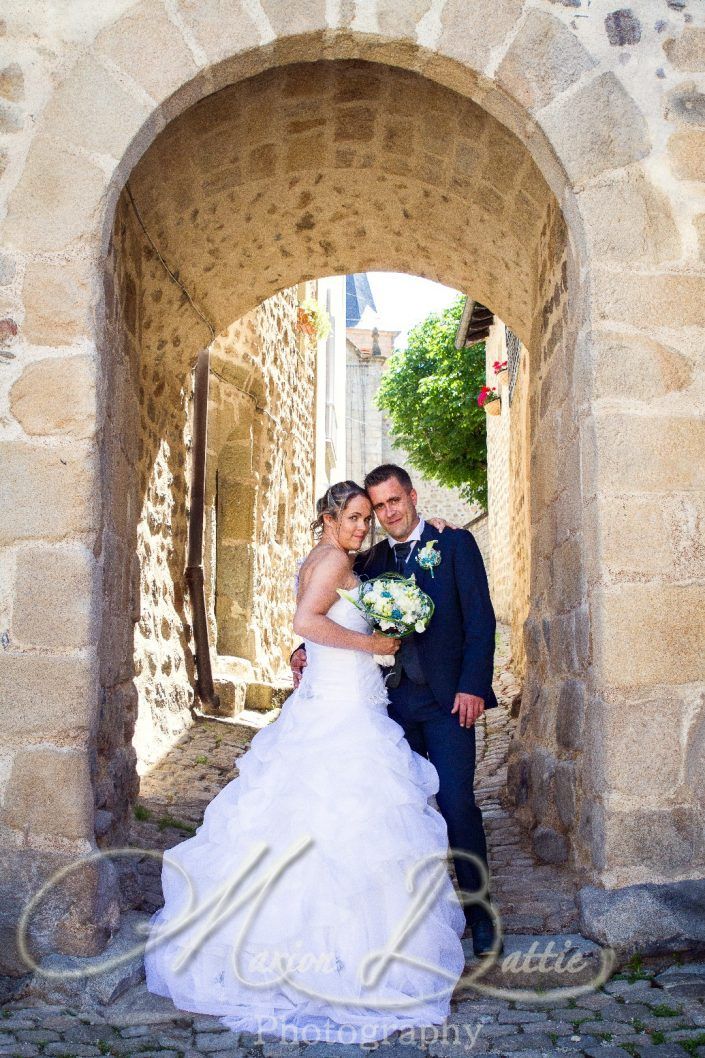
(333, 502)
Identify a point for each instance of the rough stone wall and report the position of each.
(260, 444)
(520, 512)
(147, 673)
(116, 782)
(545, 775)
(499, 485)
(235, 444)
(508, 446)
(479, 528)
(435, 499)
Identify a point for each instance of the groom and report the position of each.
(442, 679)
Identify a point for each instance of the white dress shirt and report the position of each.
(414, 536)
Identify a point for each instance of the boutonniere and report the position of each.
(428, 558)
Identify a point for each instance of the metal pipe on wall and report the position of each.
(194, 567)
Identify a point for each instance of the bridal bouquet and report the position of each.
(393, 605)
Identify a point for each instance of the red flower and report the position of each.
(484, 394)
(499, 366)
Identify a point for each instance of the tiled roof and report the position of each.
(474, 324)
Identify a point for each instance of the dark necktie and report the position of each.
(401, 553)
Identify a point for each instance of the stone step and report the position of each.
(232, 697)
(251, 718)
(238, 689)
(687, 980)
(266, 696)
(84, 980)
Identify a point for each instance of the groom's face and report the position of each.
(395, 507)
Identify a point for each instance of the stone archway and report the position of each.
(407, 145)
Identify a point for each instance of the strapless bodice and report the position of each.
(345, 613)
(341, 673)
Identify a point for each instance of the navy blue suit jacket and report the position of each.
(457, 649)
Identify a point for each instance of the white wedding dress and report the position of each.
(333, 792)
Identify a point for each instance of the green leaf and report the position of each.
(429, 393)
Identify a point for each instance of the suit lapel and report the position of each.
(387, 556)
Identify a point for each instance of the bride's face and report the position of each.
(352, 525)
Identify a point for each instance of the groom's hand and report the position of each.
(469, 706)
(298, 662)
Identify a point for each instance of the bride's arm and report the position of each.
(317, 597)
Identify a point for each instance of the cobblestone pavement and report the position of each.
(653, 1009)
(643, 1014)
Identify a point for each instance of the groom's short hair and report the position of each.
(384, 473)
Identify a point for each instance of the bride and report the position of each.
(314, 902)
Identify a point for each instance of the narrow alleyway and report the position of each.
(652, 1009)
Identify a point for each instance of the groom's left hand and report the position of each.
(469, 706)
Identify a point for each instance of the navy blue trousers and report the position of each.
(433, 732)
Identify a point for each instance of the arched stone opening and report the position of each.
(543, 134)
(334, 167)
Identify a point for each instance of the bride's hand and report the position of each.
(381, 644)
(440, 524)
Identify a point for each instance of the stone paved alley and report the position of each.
(651, 1008)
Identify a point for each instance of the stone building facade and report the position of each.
(164, 171)
(331, 380)
(258, 502)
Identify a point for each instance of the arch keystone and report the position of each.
(150, 49)
(222, 28)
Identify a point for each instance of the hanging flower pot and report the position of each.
(501, 372)
(488, 398)
(313, 321)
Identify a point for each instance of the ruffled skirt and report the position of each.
(314, 902)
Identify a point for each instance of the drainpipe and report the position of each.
(194, 568)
